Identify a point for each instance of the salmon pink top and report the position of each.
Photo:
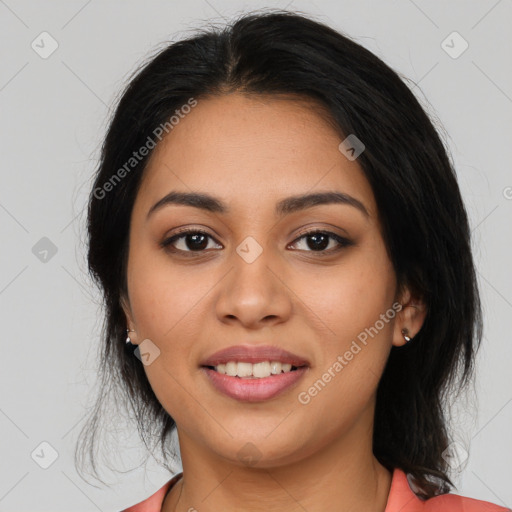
(401, 498)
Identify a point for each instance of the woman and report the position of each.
(276, 225)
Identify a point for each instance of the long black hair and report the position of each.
(425, 224)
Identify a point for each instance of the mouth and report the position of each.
(254, 373)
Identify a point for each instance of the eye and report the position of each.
(196, 240)
(191, 240)
(320, 240)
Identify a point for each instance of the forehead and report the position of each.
(253, 149)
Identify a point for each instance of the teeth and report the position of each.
(244, 369)
(258, 370)
(275, 367)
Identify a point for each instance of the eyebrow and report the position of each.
(283, 207)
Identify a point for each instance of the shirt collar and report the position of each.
(401, 498)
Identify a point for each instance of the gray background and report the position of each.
(54, 113)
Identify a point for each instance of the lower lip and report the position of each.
(254, 390)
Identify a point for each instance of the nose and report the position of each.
(254, 293)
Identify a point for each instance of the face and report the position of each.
(310, 278)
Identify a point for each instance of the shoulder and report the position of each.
(455, 503)
(155, 501)
(402, 498)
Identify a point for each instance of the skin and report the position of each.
(250, 152)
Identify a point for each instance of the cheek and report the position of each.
(165, 297)
(353, 352)
(354, 341)
(348, 298)
(167, 307)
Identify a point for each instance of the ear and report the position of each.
(410, 317)
(130, 324)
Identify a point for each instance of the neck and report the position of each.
(344, 476)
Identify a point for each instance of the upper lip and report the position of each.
(254, 354)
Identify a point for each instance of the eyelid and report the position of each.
(319, 229)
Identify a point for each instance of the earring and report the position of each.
(128, 340)
(405, 333)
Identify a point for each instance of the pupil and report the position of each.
(322, 244)
(195, 237)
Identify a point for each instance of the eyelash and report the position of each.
(167, 243)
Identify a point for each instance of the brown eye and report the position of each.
(318, 241)
(190, 240)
